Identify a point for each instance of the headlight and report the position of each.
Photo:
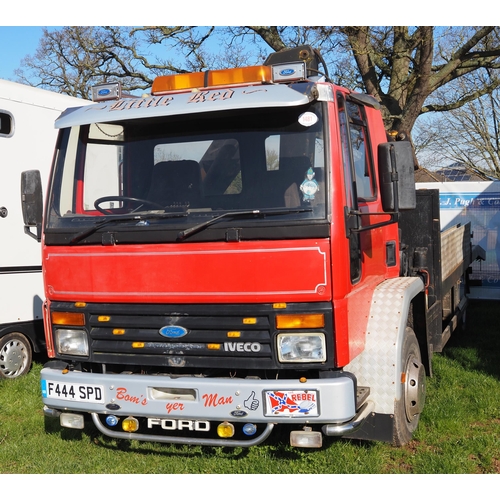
(71, 342)
(301, 348)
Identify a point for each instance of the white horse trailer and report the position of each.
(27, 139)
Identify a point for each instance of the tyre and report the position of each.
(408, 409)
(15, 355)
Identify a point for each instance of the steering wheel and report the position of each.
(106, 211)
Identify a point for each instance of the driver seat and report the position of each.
(176, 184)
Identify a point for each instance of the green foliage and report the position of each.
(458, 431)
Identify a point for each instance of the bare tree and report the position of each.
(403, 67)
(72, 59)
(468, 135)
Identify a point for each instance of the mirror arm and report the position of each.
(394, 217)
(37, 236)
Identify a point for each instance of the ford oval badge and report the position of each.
(104, 92)
(239, 413)
(173, 332)
(287, 72)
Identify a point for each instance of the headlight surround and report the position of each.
(301, 347)
(71, 342)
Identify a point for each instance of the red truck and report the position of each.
(238, 250)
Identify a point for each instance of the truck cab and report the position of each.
(223, 256)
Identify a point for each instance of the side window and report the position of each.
(350, 173)
(102, 174)
(103, 162)
(360, 149)
(346, 153)
(6, 124)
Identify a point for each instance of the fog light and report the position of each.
(225, 430)
(111, 420)
(306, 438)
(130, 424)
(71, 420)
(249, 429)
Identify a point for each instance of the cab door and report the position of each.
(366, 245)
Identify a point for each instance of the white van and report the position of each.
(27, 139)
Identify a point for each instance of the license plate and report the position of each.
(292, 403)
(88, 393)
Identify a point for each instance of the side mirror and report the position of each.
(32, 202)
(397, 176)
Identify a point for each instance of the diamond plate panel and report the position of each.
(379, 365)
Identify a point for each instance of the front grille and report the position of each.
(198, 336)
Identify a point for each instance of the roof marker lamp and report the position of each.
(212, 78)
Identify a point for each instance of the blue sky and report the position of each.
(16, 42)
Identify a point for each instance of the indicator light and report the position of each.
(80, 304)
(249, 429)
(103, 319)
(213, 347)
(118, 331)
(225, 430)
(234, 335)
(68, 318)
(130, 424)
(290, 321)
(137, 345)
(249, 321)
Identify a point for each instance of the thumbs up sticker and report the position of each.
(251, 403)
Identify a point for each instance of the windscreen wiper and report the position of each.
(182, 235)
(124, 218)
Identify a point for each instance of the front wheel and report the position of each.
(15, 355)
(408, 409)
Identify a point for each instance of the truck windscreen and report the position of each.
(201, 166)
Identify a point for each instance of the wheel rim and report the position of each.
(414, 388)
(13, 358)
